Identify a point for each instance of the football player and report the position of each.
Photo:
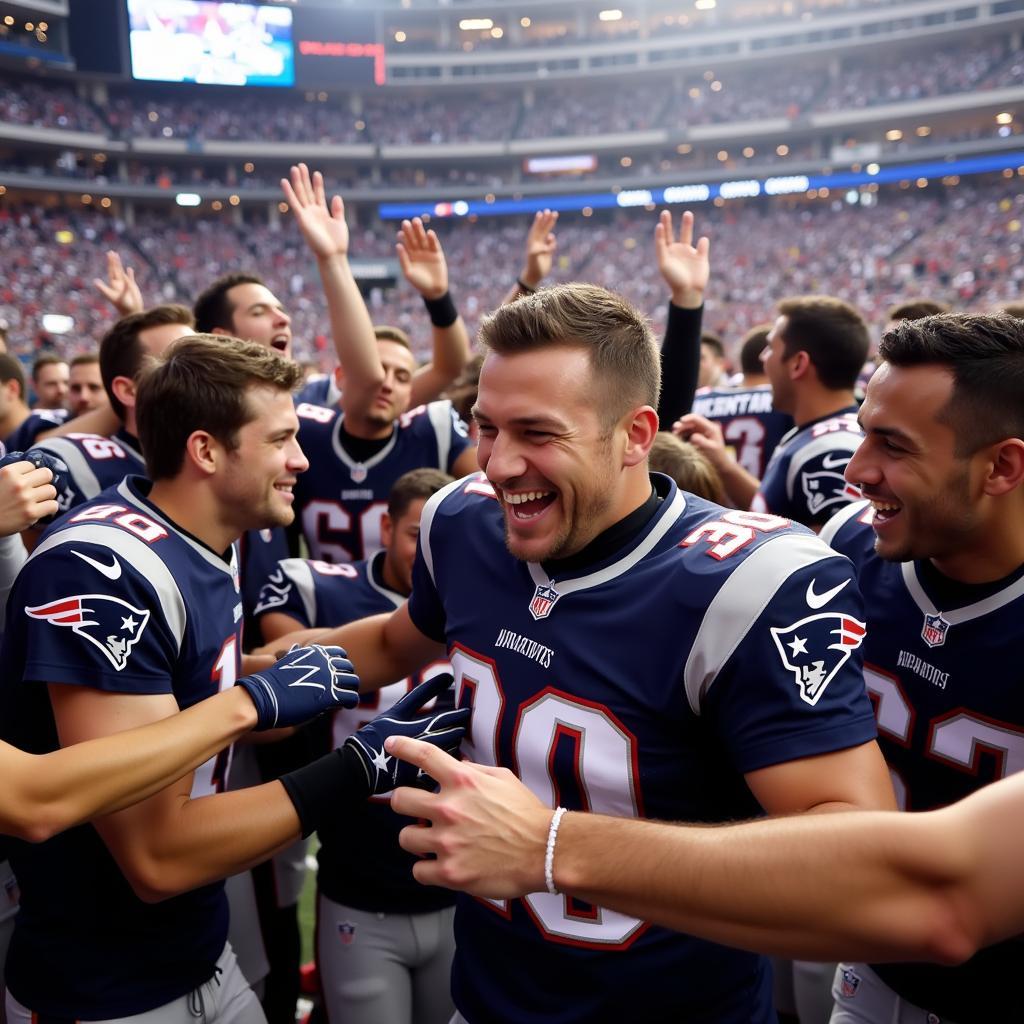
(751, 427)
(628, 649)
(815, 350)
(939, 554)
(129, 611)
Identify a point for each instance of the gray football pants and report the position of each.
(384, 968)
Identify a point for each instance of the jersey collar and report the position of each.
(987, 605)
(672, 507)
(375, 577)
(347, 459)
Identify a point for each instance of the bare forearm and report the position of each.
(53, 791)
(211, 838)
(866, 885)
(351, 326)
(450, 355)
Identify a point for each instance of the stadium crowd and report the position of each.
(693, 515)
(711, 97)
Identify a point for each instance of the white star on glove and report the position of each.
(798, 646)
(380, 761)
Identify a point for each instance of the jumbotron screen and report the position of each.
(211, 43)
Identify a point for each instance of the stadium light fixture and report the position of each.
(400, 36)
(188, 199)
(893, 135)
(1004, 118)
(497, 32)
(612, 14)
(476, 24)
(922, 131)
(525, 22)
(705, 5)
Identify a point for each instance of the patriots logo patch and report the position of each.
(110, 624)
(274, 592)
(827, 488)
(816, 648)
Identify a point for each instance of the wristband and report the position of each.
(549, 852)
(326, 788)
(442, 311)
(524, 287)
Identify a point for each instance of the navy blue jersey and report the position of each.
(258, 555)
(361, 865)
(22, 438)
(717, 642)
(804, 477)
(340, 501)
(946, 726)
(94, 464)
(116, 598)
(750, 426)
(320, 389)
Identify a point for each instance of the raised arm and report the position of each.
(541, 244)
(326, 233)
(120, 288)
(425, 268)
(864, 885)
(685, 269)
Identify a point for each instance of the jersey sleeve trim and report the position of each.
(440, 414)
(839, 520)
(740, 602)
(298, 571)
(427, 522)
(840, 442)
(137, 553)
(82, 476)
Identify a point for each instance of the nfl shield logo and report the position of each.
(358, 473)
(544, 599)
(849, 984)
(934, 631)
(346, 932)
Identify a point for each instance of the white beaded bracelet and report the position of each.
(549, 853)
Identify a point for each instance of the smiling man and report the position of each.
(605, 628)
(939, 553)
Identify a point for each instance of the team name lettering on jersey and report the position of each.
(929, 672)
(524, 645)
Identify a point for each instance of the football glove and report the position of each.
(306, 682)
(443, 729)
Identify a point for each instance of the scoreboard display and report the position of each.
(335, 48)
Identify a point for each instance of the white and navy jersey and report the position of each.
(114, 597)
(320, 389)
(22, 438)
(339, 500)
(259, 552)
(804, 477)
(715, 643)
(750, 426)
(361, 865)
(94, 464)
(942, 665)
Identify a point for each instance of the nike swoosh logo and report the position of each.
(813, 599)
(112, 572)
(835, 461)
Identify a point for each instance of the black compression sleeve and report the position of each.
(680, 363)
(325, 789)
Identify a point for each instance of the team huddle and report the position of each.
(618, 582)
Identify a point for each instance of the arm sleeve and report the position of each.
(289, 589)
(680, 363)
(793, 686)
